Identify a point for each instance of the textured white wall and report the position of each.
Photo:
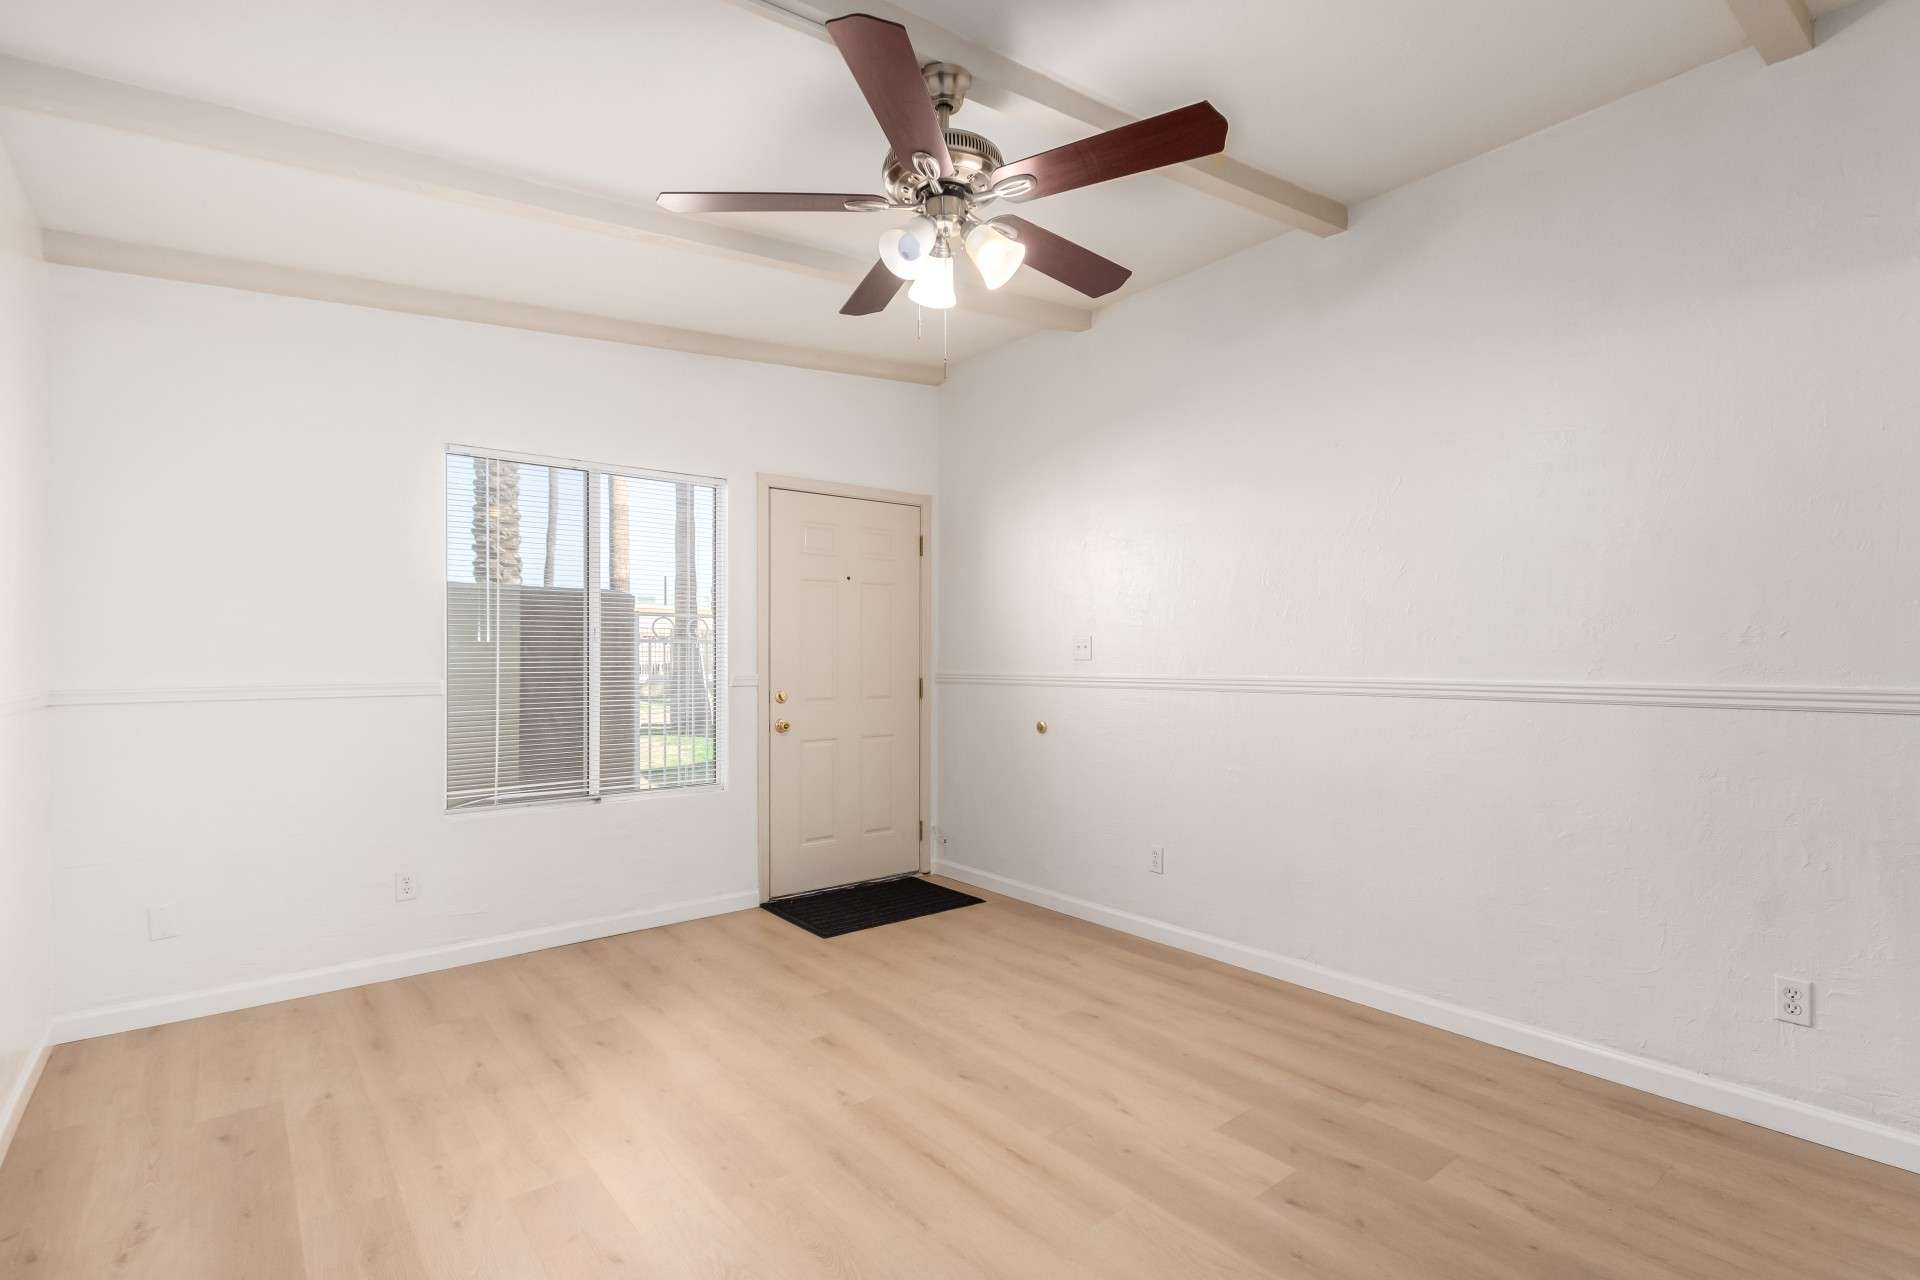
(24, 854)
(248, 491)
(1631, 401)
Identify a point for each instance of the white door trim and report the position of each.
(763, 740)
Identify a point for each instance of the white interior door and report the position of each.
(843, 650)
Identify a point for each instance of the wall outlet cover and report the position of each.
(1157, 860)
(1083, 648)
(405, 887)
(1793, 1001)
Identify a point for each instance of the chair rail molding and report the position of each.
(240, 693)
(1898, 702)
(15, 704)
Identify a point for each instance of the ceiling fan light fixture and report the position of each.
(945, 174)
(933, 288)
(995, 252)
(907, 250)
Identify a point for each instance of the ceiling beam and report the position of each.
(1778, 29)
(69, 249)
(998, 81)
(71, 95)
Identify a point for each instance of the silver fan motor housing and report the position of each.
(974, 160)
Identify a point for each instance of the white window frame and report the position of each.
(723, 640)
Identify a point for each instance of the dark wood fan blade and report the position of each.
(1173, 138)
(763, 202)
(874, 292)
(881, 59)
(1073, 265)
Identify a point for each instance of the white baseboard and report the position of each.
(134, 1014)
(1880, 1142)
(19, 1091)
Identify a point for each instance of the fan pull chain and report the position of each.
(919, 320)
(943, 345)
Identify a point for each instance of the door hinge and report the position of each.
(923, 544)
(923, 831)
(923, 688)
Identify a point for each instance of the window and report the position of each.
(556, 691)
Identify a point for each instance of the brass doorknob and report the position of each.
(780, 696)
(781, 726)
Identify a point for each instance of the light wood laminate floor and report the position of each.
(997, 1091)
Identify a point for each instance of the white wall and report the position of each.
(1633, 401)
(248, 495)
(24, 853)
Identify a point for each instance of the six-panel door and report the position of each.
(844, 651)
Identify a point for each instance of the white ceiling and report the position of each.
(1352, 98)
(1346, 97)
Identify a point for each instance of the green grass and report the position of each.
(672, 750)
(668, 761)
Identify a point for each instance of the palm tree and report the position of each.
(496, 522)
(619, 754)
(553, 524)
(496, 564)
(619, 561)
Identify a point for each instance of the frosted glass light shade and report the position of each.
(997, 254)
(906, 250)
(933, 287)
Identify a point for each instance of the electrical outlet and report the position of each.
(1157, 860)
(163, 921)
(1793, 1001)
(1083, 648)
(405, 887)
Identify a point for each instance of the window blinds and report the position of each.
(555, 691)
(516, 631)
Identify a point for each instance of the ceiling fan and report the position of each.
(944, 175)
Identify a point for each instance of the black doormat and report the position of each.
(832, 912)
